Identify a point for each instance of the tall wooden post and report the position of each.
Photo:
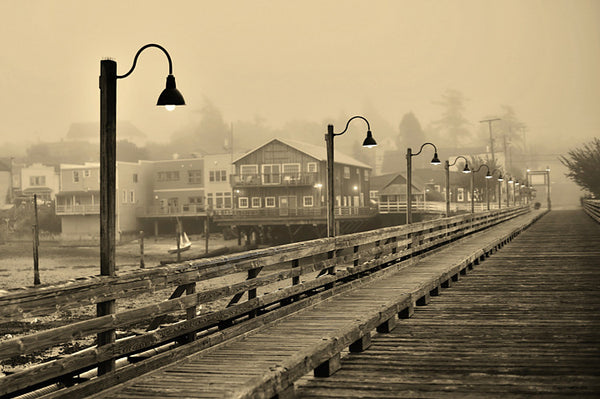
(330, 183)
(108, 152)
(447, 169)
(548, 188)
(408, 185)
(472, 191)
(206, 233)
(142, 263)
(36, 244)
(499, 195)
(178, 239)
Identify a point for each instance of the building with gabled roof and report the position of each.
(284, 182)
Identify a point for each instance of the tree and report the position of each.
(452, 128)
(584, 166)
(410, 133)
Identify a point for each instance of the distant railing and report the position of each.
(275, 213)
(86, 209)
(205, 308)
(433, 206)
(275, 179)
(592, 208)
(172, 210)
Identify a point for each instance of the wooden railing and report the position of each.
(277, 280)
(592, 208)
(85, 209)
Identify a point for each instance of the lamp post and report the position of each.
(170, 97)
(369, 142)
(500, 179)
(447, 167)
(487, 176)
(548, 187)
(489, 121)
(509, 181)
(434, 161)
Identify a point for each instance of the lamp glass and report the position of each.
(369, 141)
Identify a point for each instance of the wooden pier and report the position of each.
(490, 305)
(524, 323)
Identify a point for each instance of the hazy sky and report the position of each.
(313, 60)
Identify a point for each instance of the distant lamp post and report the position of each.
(368, 142)
(500, 179)
(170, 97)
(447, 167)
(487, 176)
(548, 187)
(434, 161)
(509, 181)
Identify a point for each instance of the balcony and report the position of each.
(86, 209)
(171, 210)
(275, 214)
(275, 179)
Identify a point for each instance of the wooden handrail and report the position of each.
(353, 254)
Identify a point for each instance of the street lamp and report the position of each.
(170, 97)
(509, 181)
(548, 187)
(487, 176)
(369, 142)
(434, 161)
(447, 167)
(500, 179)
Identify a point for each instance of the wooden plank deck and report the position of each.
(263, 362)
(525, 322)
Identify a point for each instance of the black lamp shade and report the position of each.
(435, 160)
(369, 140)
(466, 169)
(488, 176)
(170, 95)
(500, 178)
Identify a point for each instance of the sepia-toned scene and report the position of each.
(300, 199)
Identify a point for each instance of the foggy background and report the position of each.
(252, 70)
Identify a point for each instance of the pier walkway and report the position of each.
(525, 323)
(268, 361)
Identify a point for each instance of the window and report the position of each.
(209, 200)
(168, 175)
(86, 173)
(75, 176)
(271, 174)
(248, 169)
(270, 202)
(256, 202)
(307, 200)
(194, 176)
(366, 175)
(227, 200)
(37, 180)
(311, 167)
(460, 195)
(124, 196)
(437, 187)
(195, 200)
(131, 196)
(217, 175)
(243, 202)
(373, 194)
(219, 200)
(135, 177)
(346, 172)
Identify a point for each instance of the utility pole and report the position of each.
(489, 121)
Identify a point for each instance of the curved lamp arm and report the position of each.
(481, 166)
(421, 149)
(138, 54)
(348, 123)
(457, 158)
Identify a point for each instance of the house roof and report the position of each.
(317, 152)
(393, 184)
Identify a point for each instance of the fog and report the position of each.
(304, 62)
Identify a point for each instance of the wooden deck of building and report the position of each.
(524, 324)
(268, 361)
